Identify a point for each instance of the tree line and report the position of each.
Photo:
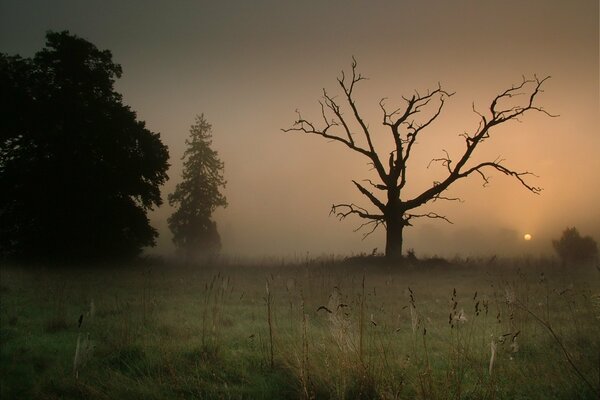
(79, 172)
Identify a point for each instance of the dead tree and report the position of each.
(392, 211)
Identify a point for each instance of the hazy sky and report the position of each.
(248, 65)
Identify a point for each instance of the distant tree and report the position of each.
(405, 125)
(198, 195)
(574, 249)
(78, 171)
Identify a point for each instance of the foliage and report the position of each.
(78, 171)
(574, 249)
(198, 195)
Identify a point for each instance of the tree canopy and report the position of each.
(78, 171)
(198, 195)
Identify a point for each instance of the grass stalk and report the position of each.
(560, 343)
(304, 373)
(270, 323)
(361, 321)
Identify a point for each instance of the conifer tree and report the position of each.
(198, 195)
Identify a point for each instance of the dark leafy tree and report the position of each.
(198, 195)
(405, 124)
(78, 171)
(573, 249)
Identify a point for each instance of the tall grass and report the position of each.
(315, 329)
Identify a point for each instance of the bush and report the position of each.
(574, 249)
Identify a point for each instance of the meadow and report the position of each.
(317, 328)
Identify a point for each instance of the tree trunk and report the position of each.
(393, 238)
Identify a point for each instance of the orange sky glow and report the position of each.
(249, 65)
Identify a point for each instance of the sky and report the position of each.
(248, 65)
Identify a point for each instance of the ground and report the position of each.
(323, 328)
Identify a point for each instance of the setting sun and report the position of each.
(527, 236)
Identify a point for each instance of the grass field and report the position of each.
(483, 329)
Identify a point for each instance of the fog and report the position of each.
(249, 65)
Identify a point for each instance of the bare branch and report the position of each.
(414, 105)
(446, 161)
(341, 211)
(416, 129)
(370, 196)
(348, 88)
(499, 167)
(500, 114)
(440, 197)
(352, 208)
(374, 222)
(335, 108)
(387, 117)
(376, 185)
(432, 215)
(303, 126)
(504, 114)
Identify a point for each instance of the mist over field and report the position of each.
(249, 66)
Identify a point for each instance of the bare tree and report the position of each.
(405, 125)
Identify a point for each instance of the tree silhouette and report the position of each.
(574, 249)
(198, 195)
(78, 171)
(405, 125)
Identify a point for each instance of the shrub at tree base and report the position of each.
(574, 249)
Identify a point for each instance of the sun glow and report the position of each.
(527, 236)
